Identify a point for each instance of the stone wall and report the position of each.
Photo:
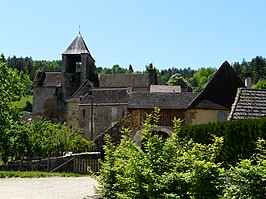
(115, 132)
(45, 102)
(73, 114)
(104, 116)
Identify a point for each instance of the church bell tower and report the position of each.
(77, 66)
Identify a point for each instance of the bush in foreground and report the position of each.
(176, 168)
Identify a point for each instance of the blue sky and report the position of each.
(169, 33)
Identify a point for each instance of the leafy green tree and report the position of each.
(178, 79)
(80, 144)
(12, 88)
(261, 84)
(40, 139)
(201, 78)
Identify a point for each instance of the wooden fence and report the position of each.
(76, 163)
(84, 165)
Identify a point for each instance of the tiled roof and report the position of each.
(220, 90)
(207, 104)
(249, 103)
(107, 96)
(124, 80)
(52, 79)
(83, 90)
(147, 100)
(164, 88)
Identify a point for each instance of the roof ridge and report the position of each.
(234, 105)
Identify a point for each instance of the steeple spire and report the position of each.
(79, 29)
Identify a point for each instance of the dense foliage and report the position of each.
(239, 136)
(197, 78)
(30, 66)
(38, 139)
(177, 168)
(201, 78)
(256, 67)
(12, 88)
(29, 139)
(178, 79)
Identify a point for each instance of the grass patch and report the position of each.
(22, 102)
(36, 174)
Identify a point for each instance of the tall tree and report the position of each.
(12, 88)
(201, 78)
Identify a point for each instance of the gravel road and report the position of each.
(51, 188)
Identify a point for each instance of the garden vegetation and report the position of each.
(29, 139)
(178, 168)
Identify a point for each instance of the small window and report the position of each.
(83, 115)
(91, 127)
(114, 112)
(221, 117)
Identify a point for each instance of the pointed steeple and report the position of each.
(78, 46)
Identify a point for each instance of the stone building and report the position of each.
(95, 103)
(213, 104)
(53, 89)
(82, 98)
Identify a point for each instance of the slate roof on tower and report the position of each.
(221, 90)
(78, 46)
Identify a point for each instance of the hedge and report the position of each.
(240, 137)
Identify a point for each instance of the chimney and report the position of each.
(129, 88)
(248, 80)
(152, 76)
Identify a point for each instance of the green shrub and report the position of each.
(171, 168)
(80, 144)
(181, 168)
(248, 178)
(240, 137)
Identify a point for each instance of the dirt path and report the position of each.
(51, 188)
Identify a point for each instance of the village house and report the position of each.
(213, 104)
(99, 103)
